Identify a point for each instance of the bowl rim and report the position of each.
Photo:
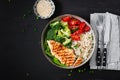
(93, 49)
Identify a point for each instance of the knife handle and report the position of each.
(104, 56)
(98, 57)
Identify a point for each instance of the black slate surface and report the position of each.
(21, 57)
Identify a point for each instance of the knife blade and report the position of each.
(106, 38)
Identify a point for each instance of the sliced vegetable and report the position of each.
(69, 45)
(78, 32)
(54, 24)
(81, 50)
(59, 39)
(56, 61)
(47, 49)
(82, 29)
(65, 30)
(87, 28)
(67, 41)
(66, 18)
(50, 34)
(74, 22)
(73, 27)
(76, 46)
(75, 37)
(82, 25)
(64, 24)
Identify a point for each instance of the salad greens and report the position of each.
(47, 51)
(58, 31)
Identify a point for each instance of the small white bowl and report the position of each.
(49, 15)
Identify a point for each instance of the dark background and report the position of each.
(21, 57)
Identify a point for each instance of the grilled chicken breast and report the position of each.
(63, 54)
(78, 61)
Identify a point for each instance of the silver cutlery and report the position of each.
(106, 38)
(100, 22)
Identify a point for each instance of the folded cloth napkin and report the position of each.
(113, 48)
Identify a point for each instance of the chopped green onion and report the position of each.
(35, 29)
(89, 37)
(80, 50)
(76, 46)
(24, 16)
(70, 70)
(37, 17)
(92, 37)
(79, 70)
(91, 72)
(84, 69)
(69, 74)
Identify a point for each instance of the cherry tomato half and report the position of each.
(73, 27)
(75, 37)
(66, 18)
(82, 25)
(87, 28)
(78, 32)
(74, 22)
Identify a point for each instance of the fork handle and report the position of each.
(104, 56)
(98, 57)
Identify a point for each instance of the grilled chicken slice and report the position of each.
(78, 61)
(63, 54)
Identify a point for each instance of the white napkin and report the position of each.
(119, 41)
(113, 54)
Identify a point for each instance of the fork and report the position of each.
(99, 27)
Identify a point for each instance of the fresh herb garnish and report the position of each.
(71, 70)
(89, 37)
(24, 16)
(56, 61)
(80, 50)
(76, 46)
(37, 17)
(50, 34)
(35, 29)
(69, 74)
(47, 51)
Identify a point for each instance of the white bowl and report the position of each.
(81, 19)
(49, 15)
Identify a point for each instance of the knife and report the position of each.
(106, 38)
